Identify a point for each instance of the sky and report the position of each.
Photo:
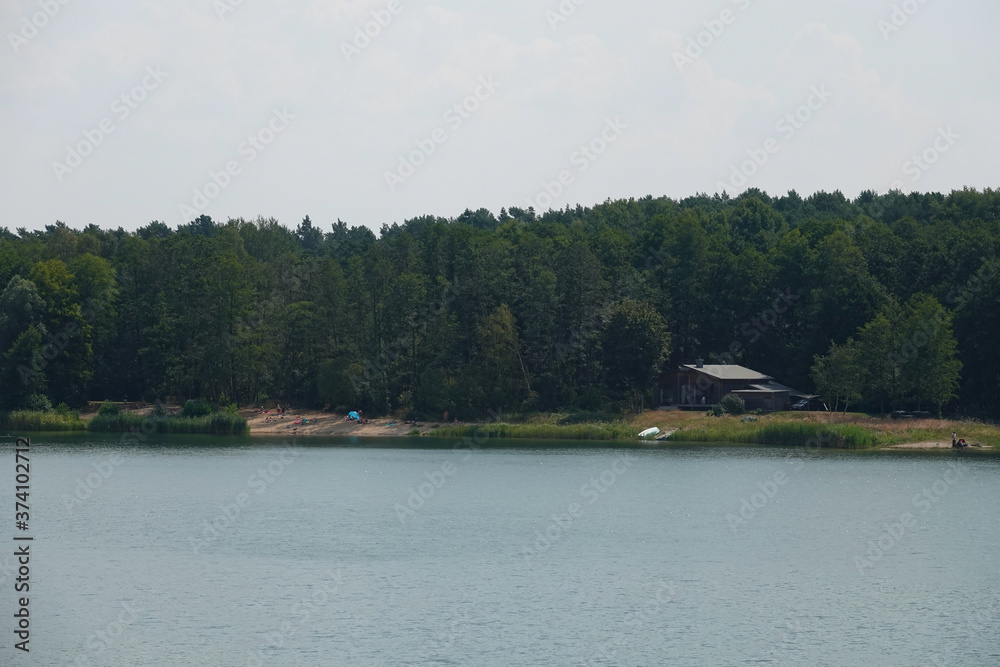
(121, 112)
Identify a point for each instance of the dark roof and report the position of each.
(727, 372)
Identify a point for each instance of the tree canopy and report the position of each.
(524, 310)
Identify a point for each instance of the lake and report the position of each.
(189, 550)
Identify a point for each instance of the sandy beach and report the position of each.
(928, 445)
(325, 423)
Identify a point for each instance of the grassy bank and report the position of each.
(35, 420)
(839, 436)
(532, 431)
(218, 423)
(851, 431)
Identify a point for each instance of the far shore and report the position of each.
(856, 431)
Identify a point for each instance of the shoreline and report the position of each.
(790, 429)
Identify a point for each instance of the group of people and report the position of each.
(279, 413)
(959, 443)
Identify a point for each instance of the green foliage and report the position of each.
(733, 404)
(586, 416)
(219, 423)
(41, 420)
(196, 408)
(636, 343)
(577, 309)
(108, 409)
(840, 375)
(616, 431)
(802, 434)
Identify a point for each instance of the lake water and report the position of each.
(345, 553)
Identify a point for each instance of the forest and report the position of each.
(881, 303)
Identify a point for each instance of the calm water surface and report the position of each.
(196, 551)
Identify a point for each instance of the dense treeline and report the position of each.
(574, 308)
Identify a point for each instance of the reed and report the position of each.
(218, 423)
(838, 436)
(607, 431)
(38, 420)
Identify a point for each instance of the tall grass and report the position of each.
(37, 420)
(219, 423)
(842, 436)
(612, 431)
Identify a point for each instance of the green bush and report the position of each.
(838, 436)
(733, 404)
(108, 409)
(220, 423)
(37, 403)
(584, 417)
(196, 408)
(37, 420)
(414, 432)
(120, 422)
(615, 431)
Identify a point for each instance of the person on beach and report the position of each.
(954, 438)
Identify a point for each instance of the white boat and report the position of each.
(649, 432)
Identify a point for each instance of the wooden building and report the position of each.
(700, 386)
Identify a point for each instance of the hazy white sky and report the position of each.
(120, 112)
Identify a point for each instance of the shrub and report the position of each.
(198, 408)
(108, 409)
(219, 423)
(415, 431)
(34, 420)
(37, 403)
(733, 404)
